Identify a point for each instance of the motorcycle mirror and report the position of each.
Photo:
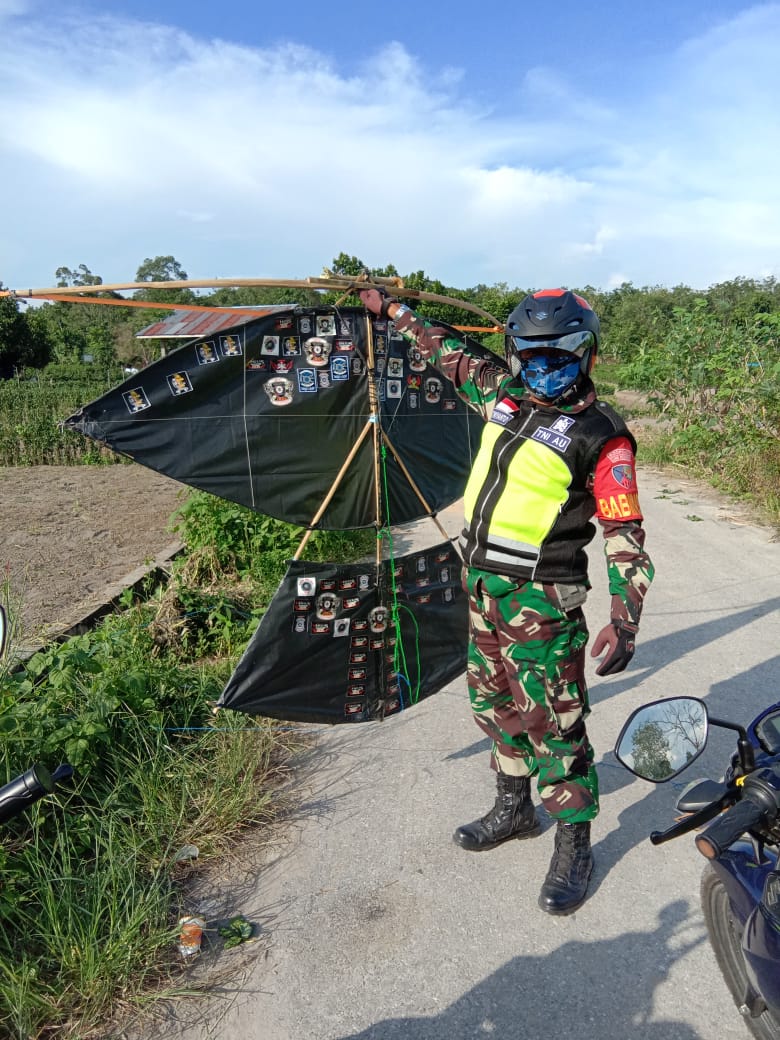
(662, 738)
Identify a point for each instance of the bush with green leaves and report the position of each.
(225, 538)
(719, 381)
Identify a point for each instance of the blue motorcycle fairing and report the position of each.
(761, 947)
(743, 879)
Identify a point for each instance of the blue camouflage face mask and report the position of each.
(548, 375)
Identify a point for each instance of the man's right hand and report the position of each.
(376, 300)
(618, 638)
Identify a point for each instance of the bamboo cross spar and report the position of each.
(330, 282)
(374, 425)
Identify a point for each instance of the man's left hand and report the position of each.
(619, 640)
(376, 300)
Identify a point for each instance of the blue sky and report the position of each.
(537, 145)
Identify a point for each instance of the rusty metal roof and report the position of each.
(186, 324)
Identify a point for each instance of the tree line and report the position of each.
(634, 320)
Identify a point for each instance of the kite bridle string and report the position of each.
(400, 665)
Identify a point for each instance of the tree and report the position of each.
(346, 266)
(161, 269)
(651, 752)
(259, 295)
(80, 276)
(19, 346)
(73, 331)
(352, 266)
(62, 326)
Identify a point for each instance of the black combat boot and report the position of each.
(512, 816)
(567, 879)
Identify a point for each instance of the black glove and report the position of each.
(376, 300)
(619, 639)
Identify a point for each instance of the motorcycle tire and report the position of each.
(725, 933)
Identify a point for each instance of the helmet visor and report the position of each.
(572, 343)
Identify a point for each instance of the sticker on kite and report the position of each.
(136, 400)
(317, 351)
(179, 383)
(280, 391)
(206, 353)
(230, 346)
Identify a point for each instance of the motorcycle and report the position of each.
(738, 820)
(37, 781)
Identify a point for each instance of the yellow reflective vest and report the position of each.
(528, 502)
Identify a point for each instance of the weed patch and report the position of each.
(91, 888)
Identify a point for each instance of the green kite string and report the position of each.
(400, 665)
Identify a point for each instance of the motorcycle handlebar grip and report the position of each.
(24, 791)
(725, 830)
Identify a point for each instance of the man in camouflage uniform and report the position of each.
(551, 457)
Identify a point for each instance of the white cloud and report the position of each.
(125, 140)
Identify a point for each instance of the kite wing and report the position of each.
(275, 414)
(350, 643)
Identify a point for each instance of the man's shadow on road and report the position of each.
(571, 990)
(663, 651)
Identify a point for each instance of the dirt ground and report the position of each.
(70, 537)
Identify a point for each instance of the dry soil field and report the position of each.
(70, 536)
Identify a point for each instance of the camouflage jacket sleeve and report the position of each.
(629, 568)
(476, 380)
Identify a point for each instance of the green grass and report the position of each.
(31, 411)
(93, 922)
(745, 472)
(92, 888)
(91, 885)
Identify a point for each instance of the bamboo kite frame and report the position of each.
(328, 283)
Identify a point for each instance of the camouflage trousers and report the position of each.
(526, 664)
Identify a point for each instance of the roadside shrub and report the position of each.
(89, 897)
(720, 384)
(227, 542)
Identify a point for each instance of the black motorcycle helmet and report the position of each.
(552, 339)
